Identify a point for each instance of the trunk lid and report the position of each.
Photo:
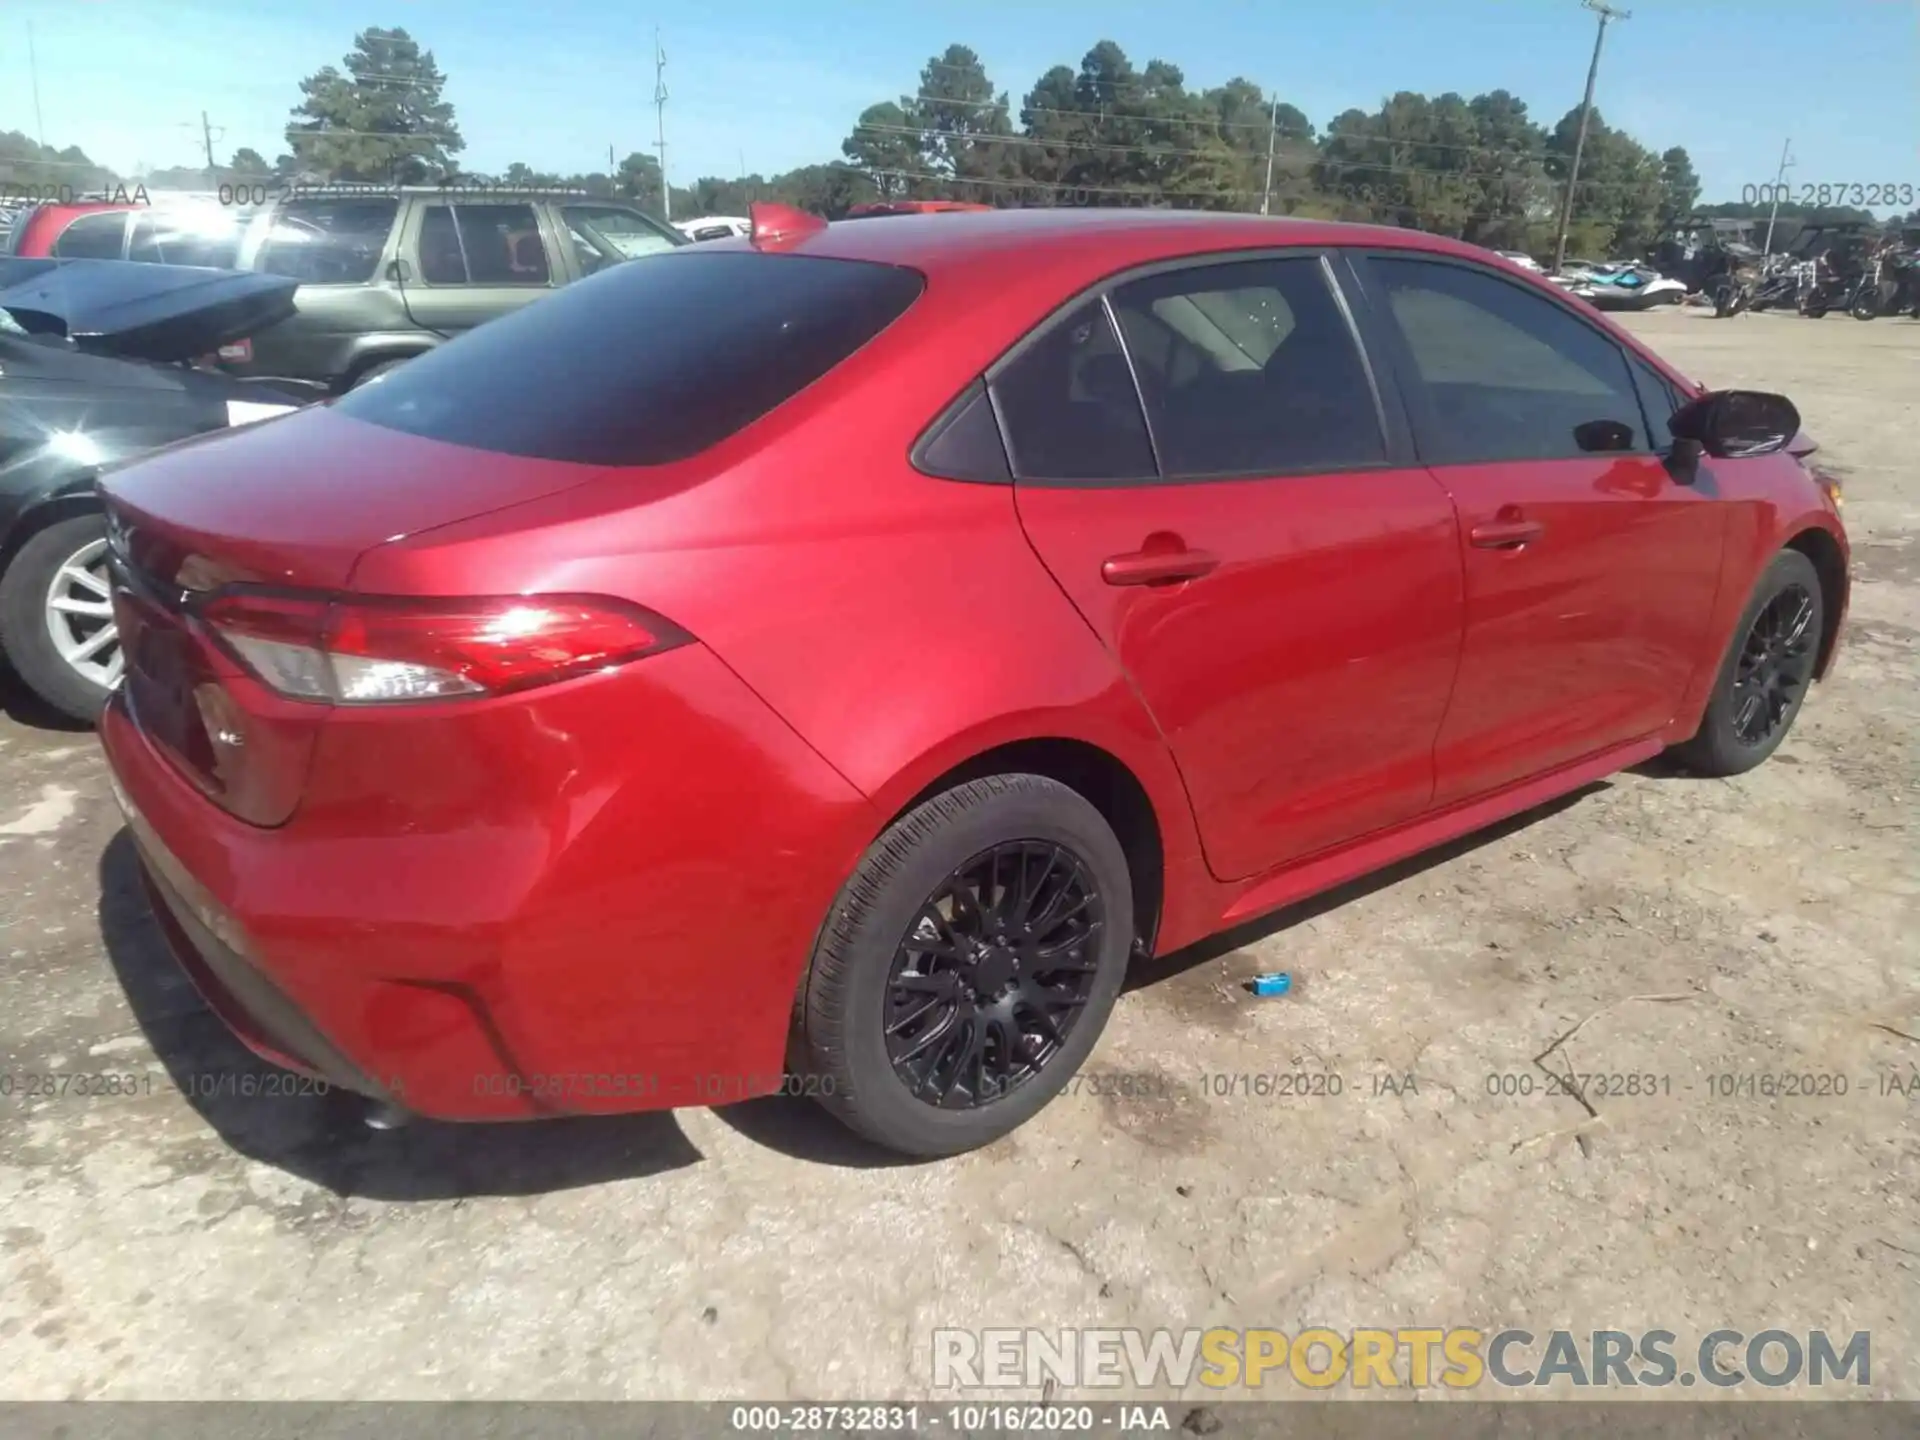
(143, 312)
(292, 503)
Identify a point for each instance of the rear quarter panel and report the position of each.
(900, 624)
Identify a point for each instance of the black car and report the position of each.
(100, 360)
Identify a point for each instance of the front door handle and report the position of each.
(1506, 534)
(1157, 567)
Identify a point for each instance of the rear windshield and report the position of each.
(647, 362)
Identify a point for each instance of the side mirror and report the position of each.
(1735, 424)
(399, 271)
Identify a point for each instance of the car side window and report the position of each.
(1250, 368)
(1659, 399)
(1504, 374)
(618, 232)
(93, 237)
(324, 240)
(482, 245)
(196, 238)
(1068, 407)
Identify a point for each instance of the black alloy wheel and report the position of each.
(992, 974)
(1765, 673)
(967, 966)
(1776, 664)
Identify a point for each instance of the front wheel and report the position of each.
(969, 965)
(1865, 306)
(56, 617)
(1765, 675)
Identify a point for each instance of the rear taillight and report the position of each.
(238, 353)
(366, 650)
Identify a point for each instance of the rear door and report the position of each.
(1232, 505)
(474, 262)
(337, 247)
(1590, 571)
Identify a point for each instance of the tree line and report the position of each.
(1481, 168)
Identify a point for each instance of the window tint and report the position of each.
(620, 233)
(1506, 375)
(320, 240)
(1660, 400)
(481, 245)
(1249, 369)
(93, 237)
(1069, 408)
(209, 237)
(642, 364)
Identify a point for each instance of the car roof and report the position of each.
(1100, 240)
(475, 192)
(75, 208)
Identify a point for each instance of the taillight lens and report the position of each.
(364, 650)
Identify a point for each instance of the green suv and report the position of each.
(388, 273)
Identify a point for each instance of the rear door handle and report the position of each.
(1506, 534)
(1157, 567)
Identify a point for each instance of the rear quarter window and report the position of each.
(645, 363)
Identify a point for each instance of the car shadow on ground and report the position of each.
(23, 707)
(323, 1137)
(802, 1129)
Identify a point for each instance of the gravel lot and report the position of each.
(188, 1242)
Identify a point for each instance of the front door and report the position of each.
(1230, 507)
(1590, 571)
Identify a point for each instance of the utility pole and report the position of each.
(1779, 180)
(1607, 14)
(33, 73)
(1273, 128)
(660, 122)
(206, 135)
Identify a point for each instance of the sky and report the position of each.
(765, 85)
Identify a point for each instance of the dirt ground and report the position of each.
(186, 1242)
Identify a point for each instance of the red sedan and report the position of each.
(824, 661)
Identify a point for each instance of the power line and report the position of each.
(1138, 192)
(1328, 138)
(1207, 123)
(1357, 167)
(1051, 143)
(33, 73)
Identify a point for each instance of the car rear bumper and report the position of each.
(481, 942)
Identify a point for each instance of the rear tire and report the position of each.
(26, 592)
(1000, 1030)
(1768, 665)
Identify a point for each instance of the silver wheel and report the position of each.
(79, 608)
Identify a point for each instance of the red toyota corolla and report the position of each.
(825, 661)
